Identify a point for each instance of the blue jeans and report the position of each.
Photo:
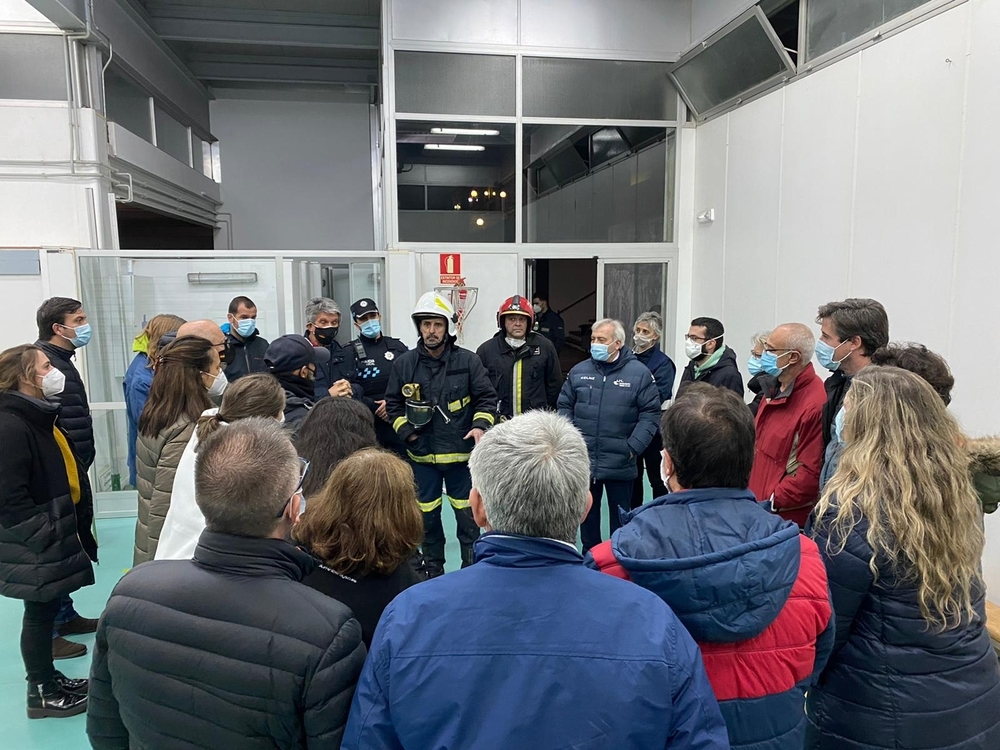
(67, 612)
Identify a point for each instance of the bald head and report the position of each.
(203, 329)
(793, 337)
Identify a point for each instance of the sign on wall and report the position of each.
(451, 268)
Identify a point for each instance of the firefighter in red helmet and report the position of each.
(523, 365)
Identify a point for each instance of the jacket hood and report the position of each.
(724, 564)
(984, 455)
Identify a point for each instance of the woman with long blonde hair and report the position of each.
(900, 530)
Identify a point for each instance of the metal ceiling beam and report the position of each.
(250, 15)
(268, 73)
(207, 31)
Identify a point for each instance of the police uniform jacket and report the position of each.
(458, 385)
(375, 359)
(525, 378)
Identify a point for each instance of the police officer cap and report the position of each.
(363, 306)
(293, 352)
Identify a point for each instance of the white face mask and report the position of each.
(53, 383)
(664, 477)
(515, 343)
(642, 342)
(219, 385)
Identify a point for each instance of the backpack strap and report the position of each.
(606, 561)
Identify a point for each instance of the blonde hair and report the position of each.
(158, 327)
(904, 471)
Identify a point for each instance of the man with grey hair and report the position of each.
(229, 647)
(337, 378)
(613, 401)
(788, 453)
(527, 648)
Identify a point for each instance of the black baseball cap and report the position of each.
(293, 352)
(363, 306)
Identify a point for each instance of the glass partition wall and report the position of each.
(122, 292)
(521, 149)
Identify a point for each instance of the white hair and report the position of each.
(760, 339)
(318, 306)
(533, 474)
(801, 339)
(618, 330)
(652, 320)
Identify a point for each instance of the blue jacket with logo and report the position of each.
(617, 408)
(529, 649)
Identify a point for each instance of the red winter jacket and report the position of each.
(750, 590)
(788, 454)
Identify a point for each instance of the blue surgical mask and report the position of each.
(246, 327)
(600, 352)
(825, 354)
(838, 425)
(754, 365)
(371, 328)
(81, 335)
(769, 363)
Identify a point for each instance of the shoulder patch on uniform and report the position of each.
(390, 356)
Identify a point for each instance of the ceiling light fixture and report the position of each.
(452, 147)
(503, 193)
(463, 131)
(479, 222)
(474, 194)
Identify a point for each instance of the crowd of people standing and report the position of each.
(807, 574)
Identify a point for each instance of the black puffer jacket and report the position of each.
(41, 557)
(74, 416)
(893, 681)
(525, 378)
(228, 650)
(837, 386)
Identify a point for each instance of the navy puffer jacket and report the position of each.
(893, 681)
(617, 408)
(74, 416)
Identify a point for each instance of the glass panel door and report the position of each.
(626, 289)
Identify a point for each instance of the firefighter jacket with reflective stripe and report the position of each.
(458, 387)
(526, 378)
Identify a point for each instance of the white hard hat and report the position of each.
(434, 305)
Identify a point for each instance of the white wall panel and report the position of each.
(496, 275)
(975, 303)
(661, 27)
(21, 12)
(817, 190)
(296, 175)
(33, 133)
(458, 21)
(708, 293)
(752, 222)
(708, 16)
(909, 150)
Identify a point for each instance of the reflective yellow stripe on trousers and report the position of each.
(432, 505)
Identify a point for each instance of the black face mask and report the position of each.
(326, 336)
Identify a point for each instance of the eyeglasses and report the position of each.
(302, 480)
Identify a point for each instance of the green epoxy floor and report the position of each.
(115, 537)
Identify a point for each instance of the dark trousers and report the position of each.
(619, 496)
(649, 462)
(458, 484)
(36, 639)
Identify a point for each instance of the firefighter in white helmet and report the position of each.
(440, 401)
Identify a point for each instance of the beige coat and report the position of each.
(156, 461)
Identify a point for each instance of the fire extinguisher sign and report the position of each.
(451, 268)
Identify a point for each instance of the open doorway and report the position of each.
(142, 228)
(570, 284)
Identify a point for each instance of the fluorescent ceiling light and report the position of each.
(463, 131)
(452, 147)
(222, 278)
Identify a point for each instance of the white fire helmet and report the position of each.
(434, 305)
